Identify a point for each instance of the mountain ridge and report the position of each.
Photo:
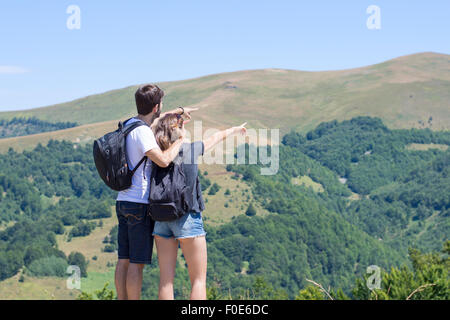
(405, 92)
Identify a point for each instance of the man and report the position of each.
(135, 240)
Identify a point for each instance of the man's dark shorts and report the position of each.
(135, 240)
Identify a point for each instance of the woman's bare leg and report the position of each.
(194, 251)
(167, 259)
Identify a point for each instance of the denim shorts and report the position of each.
(188, 226)
(135, 239)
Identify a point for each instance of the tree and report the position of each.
(310, 293)
(213, 189)
(428, 279)
(262, 290)
(251, 211)
(32, 253)
(78, 259)
(48, 266)
(82, 229)
(103, 294)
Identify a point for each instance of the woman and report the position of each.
(187, 230)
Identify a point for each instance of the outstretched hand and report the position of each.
(241, 129)
(187, 113)
(221, 135)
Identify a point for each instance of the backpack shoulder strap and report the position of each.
(130, 127)
(139, 163)
(127, 128)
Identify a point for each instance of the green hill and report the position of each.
(403, 195)
(403, 92)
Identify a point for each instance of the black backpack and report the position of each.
(110, 157)
(169, 195)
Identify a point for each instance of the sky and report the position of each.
(46, 59)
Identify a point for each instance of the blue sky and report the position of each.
(122, 43)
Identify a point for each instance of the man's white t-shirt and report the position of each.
(139, 141)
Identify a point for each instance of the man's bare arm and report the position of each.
(187, 112)
(164, 158)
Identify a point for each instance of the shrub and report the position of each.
(48, 266)
(109, 248)
(77, 259)
(251, 211)
(213, 189)
(82, 229)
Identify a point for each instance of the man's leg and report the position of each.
(140, 242)
(120, 278)
(134, 281)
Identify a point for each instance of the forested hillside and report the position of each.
(40, 192)
(318, 227)
(403, 194)
(26, 126)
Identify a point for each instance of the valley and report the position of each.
(363, 177)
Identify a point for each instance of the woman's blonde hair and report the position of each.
(167, 130)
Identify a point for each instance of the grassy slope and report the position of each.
(308, 182)
(401, 91)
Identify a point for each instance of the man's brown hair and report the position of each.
(147, 97)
